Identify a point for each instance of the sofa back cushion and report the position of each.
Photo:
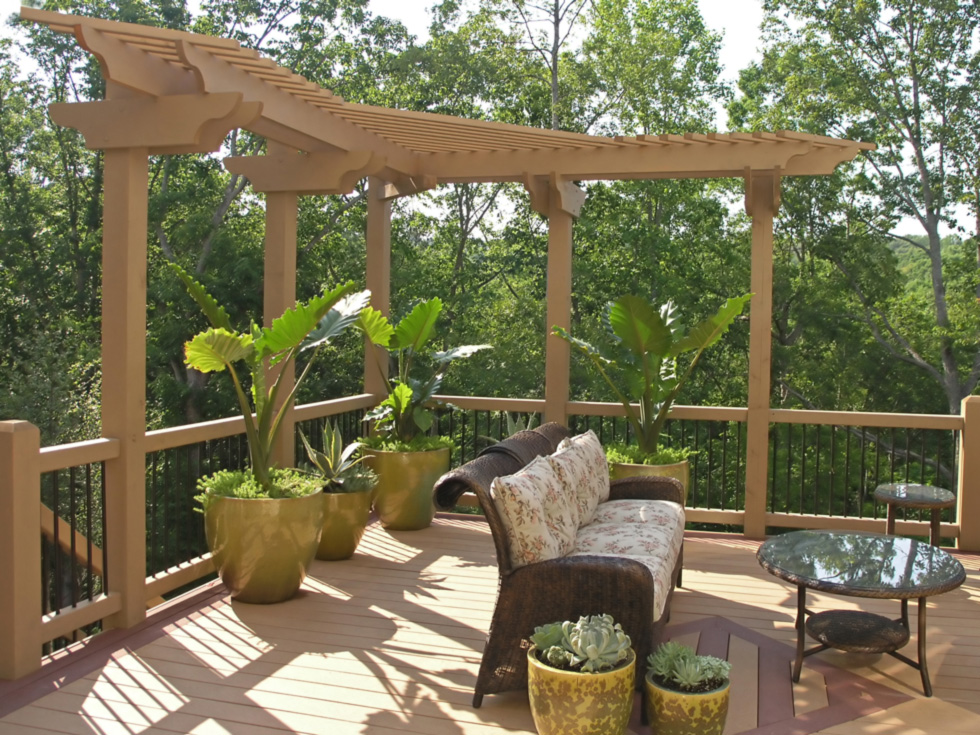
(538, 516)
(580, 464)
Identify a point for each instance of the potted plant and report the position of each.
(685, 692)
(407, 459)
(644, 368)
(346, 497)
(581, 677)
(263, 523)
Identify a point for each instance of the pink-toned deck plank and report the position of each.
(390, 642)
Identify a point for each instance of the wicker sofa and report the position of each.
(534, 589)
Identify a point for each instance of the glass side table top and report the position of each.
(911, 495)
(861, 564)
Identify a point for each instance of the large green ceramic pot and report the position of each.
(682, 713)
(263, 547)
(345, 516)
(576, 703)
(680, 471)
(403, 497)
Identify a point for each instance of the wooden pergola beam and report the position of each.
(320, 173)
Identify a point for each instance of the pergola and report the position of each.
(172, 92)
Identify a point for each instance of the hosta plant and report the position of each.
(643, 368)
(263, 355)
(594, 643)
(677, 667)
(402, 420)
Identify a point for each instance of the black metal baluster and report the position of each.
(833, 469)
(847, 468)
(88, 531)
(73, 521)
(56, 550)
(803, 447)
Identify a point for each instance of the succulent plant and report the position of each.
(678, 667)
(594, 643)
(338, 465)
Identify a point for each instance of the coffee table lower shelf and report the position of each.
(856, 631)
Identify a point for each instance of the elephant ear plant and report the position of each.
(306, 327)
(649, 341)
(406, 414)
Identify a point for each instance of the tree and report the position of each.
(900, 73)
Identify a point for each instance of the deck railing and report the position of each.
(823, 467)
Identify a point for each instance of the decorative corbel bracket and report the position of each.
(762, 189)
(400, 185)
(319, 173)
(548, 192)
(190, 123)
(133, 69)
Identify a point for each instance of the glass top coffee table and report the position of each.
(860, 564)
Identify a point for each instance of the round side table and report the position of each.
(905, 495)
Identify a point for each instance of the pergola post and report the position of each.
(561, 202)
(378, 277)
(968, 500)
(761, 203)
(279, 294)
(124, 376)
(20, 577)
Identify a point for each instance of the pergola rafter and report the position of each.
(176, 92)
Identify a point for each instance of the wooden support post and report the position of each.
(279, 294)
(124, 236)
(561, 202)
(378, 277)
(968, 500)
(20, 549)
(761, 203)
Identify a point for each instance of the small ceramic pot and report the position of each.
(345, 516)
(577, 703)
(682, 713)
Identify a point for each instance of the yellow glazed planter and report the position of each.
(345, 516)
(681, 713)
(576, 703)
(403, 497)
(263, 547)
(679, 471)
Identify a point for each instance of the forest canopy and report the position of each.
(867, 315)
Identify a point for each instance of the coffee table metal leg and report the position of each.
(923, 669)
(800, 631)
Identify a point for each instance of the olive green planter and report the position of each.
(577, 703)
(684, 713)
(403, 497)
(345, 516)
(263, 547)
(680, 471)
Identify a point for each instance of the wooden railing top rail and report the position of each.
(180, 436)
(63, 456)
(855, 418)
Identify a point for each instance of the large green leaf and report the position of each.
(639, 326)
(340, 317)
(706, 333)
(214, 349)
(400, 398)
(457, 353)
(215, 313)
(375, 326)
(414, 330)
(289, 330)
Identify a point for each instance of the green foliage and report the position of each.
(677, 667)
(408, 411)
(338, 466)
(594, 643)
(649, 341)
(243, 484)
(632, 454)
(308, 325)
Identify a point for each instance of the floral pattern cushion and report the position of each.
(580, 463)
(655, 540)
(536, 513)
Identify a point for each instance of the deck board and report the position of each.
(390, 643)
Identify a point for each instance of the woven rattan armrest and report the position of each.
(646, 488)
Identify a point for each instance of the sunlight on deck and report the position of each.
(390, 642)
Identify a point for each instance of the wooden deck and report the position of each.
(390, 642)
